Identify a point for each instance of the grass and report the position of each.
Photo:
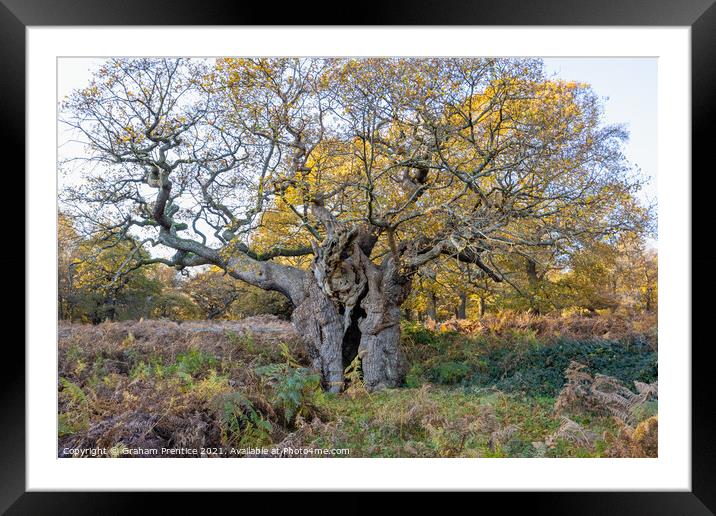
(447, 422)
(468, 394)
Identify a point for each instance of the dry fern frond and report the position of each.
(601, 394)
(650, 390)
(486, 420)
(575, 390)
(422, 412)
(353, 376)
(572, 432)
(642, 441)
(501, 436)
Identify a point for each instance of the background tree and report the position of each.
(67, 242)
(172, 300)
(213, 292)
(100, 284)
(219, 296)
(369, 169)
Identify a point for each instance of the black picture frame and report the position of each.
(700, 15)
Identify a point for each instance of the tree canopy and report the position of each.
(464, 158)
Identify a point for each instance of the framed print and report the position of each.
(452, 251)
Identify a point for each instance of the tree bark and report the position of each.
(335, 333)
(357, 303)
(433, 306)
(318, 321)
(461, 311)
(383, 363)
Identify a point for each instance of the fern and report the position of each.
(602, 394)
(241, 424)
(573, 432)
(295, 386)
(76, 414)
(353, 376)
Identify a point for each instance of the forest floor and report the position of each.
(512, 385)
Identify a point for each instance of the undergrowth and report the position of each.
(518, 362)
(507, 393)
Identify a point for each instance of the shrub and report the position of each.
(540, 370)
(414, 377)
(519, 361)
(449, 372)
(417, 334)
(549, 328)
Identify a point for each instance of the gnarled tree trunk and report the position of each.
(383, 362)
(352, 309)
(336, 332)
(319, 322)
(345, 305)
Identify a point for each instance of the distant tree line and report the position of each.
(96, 282)
(618, 275)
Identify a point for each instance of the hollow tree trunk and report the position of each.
(371, 330)
(367, 326)
(352, 309)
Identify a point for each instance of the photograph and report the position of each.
(357, 257)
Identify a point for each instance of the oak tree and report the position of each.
(335, 181)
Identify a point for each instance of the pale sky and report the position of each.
(628, 86)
